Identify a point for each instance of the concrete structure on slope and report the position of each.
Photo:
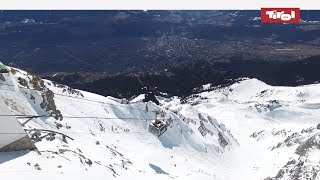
(12, 136)
(3, 68)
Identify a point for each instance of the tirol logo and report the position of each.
(280, 15)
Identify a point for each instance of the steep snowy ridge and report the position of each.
(248, 130)
(107, 139)
(272, 125)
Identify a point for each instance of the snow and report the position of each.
(111, 140)
(206, 86)
(138, 98)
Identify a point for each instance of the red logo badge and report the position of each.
(280, 15)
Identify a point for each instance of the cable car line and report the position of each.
(58, 94)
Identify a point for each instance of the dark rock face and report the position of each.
(150, 97)
(2, 78)
(296, 170)
(301, 167)
(318, 126)
(13, 71)
(23, 82)
(37, 83)
(70, 90)
(48, 104)
(313, 142)
(222, 141)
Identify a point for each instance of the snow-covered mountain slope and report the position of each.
(277, 128)
(249, 130)
(109, 139)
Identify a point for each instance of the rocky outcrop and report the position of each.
(38, 90)
(23, 82)
(67, 89)
(48, 104)
(2, 78)
(222, 141)
(268, 106)
(37, 83)
(303, 166)
(311, 143)
(297, 169)
(14, 71)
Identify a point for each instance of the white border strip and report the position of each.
(155, 4)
